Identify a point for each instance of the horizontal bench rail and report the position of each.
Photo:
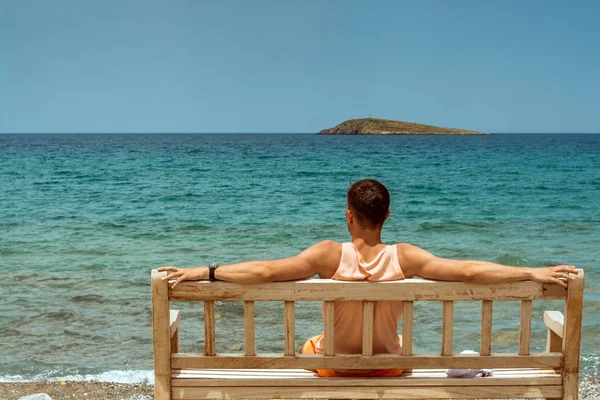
(378, 361)
(332, 290)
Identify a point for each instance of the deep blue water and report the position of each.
(83, 219)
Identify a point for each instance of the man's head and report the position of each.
(368, 203)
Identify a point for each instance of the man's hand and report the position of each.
(560, 274)
(184, 274)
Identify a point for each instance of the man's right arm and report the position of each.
(320, 259)
(419, 262)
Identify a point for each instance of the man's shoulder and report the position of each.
(407, 254)
(329, 245)
(406, 247)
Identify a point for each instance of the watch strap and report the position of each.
(211, 271)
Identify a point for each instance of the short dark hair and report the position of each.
(369, 200)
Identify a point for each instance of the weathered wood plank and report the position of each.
(175, 342)
(330, 290)
(570, 383)
(161, 336)
(283, 374)
(525, 331)
(571, 345)
(209, 328)
(174, 321)
(553, 342)
(555, 321)
(328, 329)
(447, 323)
(249, 329)
(367, 334)
(308, 392)
(251, 378)
(309, 361)
(407, 328)
(485, 347)
(290, 328)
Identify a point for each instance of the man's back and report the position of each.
(348, 314)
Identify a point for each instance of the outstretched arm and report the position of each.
(321, 259)
(416, 261)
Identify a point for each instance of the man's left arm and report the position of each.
(320, 259)
(416, 261)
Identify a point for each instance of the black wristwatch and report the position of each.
(211, 271)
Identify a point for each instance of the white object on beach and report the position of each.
(36, 396)
(468, 373)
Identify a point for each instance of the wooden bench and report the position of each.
(552, 374)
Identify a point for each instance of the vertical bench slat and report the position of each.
(209, 328)
(485, 348)
(249, 331)
(290, 328)
(367, 334)
(407, 328)
(525, 335)
(161, 336)
(328, 331)
(447, 328)
(572, 336)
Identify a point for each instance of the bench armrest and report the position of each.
(555, 321)
(174, 321)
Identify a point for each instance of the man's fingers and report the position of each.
(172, 276)
(561, 281)
(566, 268)
(180, 279)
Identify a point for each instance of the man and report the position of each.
(367, 258)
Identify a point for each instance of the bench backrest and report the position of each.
(329, 291)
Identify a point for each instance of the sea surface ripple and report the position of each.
(84, 218)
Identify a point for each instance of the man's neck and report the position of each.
(369, 238)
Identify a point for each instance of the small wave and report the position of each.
(60, 315)
(110, 225)
(11, 251)
(115, 376)
(88, 298)
(315, 173)
(509, 259)
(85, 252)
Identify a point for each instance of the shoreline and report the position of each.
(589, 389)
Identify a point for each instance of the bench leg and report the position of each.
(553, 342)
(570, 385)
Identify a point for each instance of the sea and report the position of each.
(85, 218)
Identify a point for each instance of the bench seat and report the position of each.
(431, 383)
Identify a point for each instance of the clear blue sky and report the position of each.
(298, 65)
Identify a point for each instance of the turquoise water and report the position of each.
(83, 219)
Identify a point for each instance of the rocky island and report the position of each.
(376, 126)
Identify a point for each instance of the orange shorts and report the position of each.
(310, 347)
